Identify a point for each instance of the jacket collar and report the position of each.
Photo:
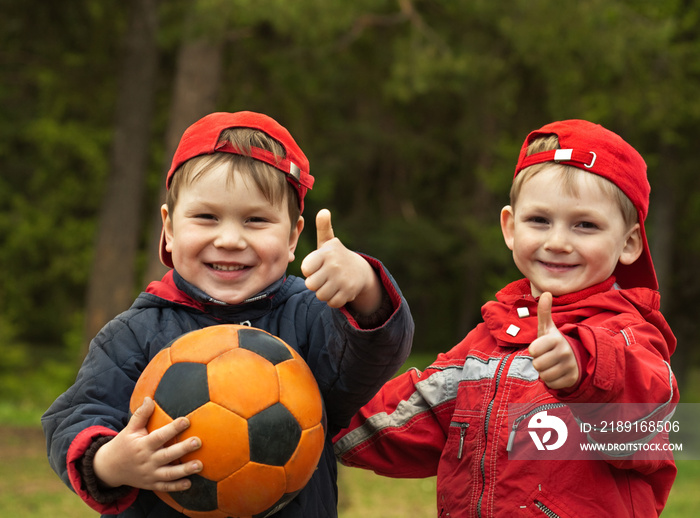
(203, 298)
(521, 290)
(177, 290)
(512, 319)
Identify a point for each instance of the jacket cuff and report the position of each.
(81, 455)
(376, 319)
(583, 358)
(391, 300)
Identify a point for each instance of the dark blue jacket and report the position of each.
(350, 365)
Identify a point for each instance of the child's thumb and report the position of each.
(324, 228)
(544, 314)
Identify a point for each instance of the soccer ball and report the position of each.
(256, 407)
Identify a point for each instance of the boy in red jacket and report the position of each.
(579, 340)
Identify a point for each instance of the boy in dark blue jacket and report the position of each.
(231, 223)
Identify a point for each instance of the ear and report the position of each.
(633, 246)
(508, 225)
(294, 237)
(167, 227)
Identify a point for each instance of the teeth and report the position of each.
(224, 268)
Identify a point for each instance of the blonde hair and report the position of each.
(272, 183)
(568, 179)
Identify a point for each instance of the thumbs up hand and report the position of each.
(552, 355)
(338, 275)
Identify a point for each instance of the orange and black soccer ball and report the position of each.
(255, 405)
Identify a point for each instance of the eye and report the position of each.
(587, 225)
(537, 220)
(257, 220)
(205, 216)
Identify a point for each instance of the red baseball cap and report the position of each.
(592, 148)
(202, 138)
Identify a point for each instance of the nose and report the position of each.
(557, 240)
(230, 236)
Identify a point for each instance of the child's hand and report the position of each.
(338, 275)
(552, 355)
(140, 459)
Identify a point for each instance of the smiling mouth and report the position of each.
(558, 266)
(227, 268)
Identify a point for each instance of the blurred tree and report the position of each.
(110, 289)
(410, 111)
(55, 123)
(196, 86)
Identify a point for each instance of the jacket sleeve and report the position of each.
(350, 362)
(82, 477)
(628, 368)
(402, 431)
(95, 406)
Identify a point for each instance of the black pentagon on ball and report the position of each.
(263, 344)
(201, 496)
(273, 435)
(182, 388)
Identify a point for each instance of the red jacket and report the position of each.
(453, 421)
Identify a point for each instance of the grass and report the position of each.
(28, 487)
(684, 499)
(363, 494)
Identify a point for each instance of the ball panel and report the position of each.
(251, 489)
(224, 437)
(158, 419)
(208, 514)
(183, 388)
(273, 435)
(165, 497)
(188, 512)
(203, 345)
(269, 347)
(243, 382)
(302, 465)
(201, 496)
(299, 393)
(150, 377)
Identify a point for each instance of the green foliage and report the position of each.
(30, 378)
(411, 112)
(55, 108)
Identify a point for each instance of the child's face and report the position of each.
(227, 239)
(563, 242)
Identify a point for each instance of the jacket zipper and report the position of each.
(486, 429)
(546, 510)
(462, 433)
(518, 420)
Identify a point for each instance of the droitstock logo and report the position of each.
(542, 423)
(594, 431)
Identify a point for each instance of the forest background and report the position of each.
(411, 112)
